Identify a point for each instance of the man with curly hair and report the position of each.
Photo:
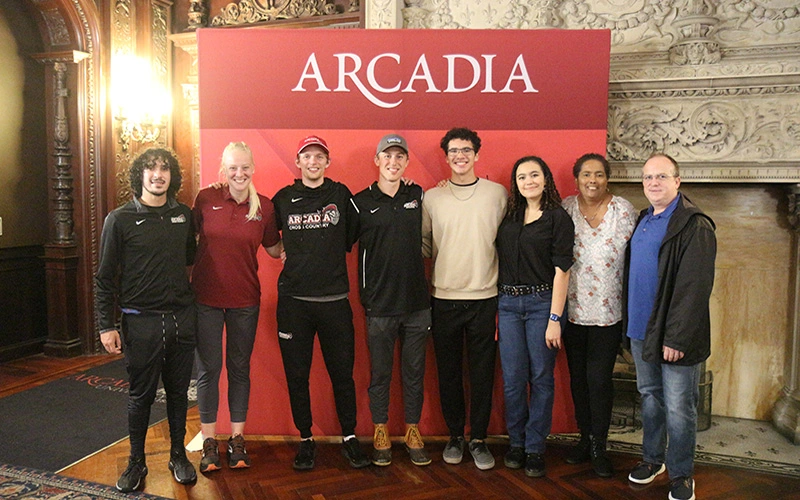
(459, 227)
(145, 249)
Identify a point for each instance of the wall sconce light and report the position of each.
(141, 104)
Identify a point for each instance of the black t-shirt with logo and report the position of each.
(318, 228)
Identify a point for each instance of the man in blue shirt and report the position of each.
(668, 280)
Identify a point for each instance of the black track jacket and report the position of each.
(143, 259)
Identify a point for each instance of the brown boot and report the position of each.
(415, 446)
(381, 446)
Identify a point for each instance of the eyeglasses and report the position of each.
(463, 151)
(657, 177)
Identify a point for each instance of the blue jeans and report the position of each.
(669, 411)
(527, 361)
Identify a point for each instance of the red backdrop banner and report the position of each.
(542, 92)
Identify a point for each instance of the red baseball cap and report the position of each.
(312, 140)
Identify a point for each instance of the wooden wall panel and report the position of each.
(23, 315)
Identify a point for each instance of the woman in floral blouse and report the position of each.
(603, 226)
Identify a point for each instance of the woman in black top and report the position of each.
(534, 244)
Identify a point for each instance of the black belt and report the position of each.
(515, 290)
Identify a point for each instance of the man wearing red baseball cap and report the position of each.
(318, 225)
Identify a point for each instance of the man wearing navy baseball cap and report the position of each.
(318, 225)
(394, 293)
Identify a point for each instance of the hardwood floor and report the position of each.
(273, 477)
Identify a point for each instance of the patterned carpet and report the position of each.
(29, 484)
(732, 442)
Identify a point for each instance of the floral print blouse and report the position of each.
(595, 283)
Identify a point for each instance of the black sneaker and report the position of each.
(304, 460)
(580, 452)
(210, 460)
(351, 449)
(515, 458)
(182, 469)
(237, 453)
(645, 472)
(681, 488)
(131, 479)
(534, 465)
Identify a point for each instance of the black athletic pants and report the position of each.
(298, 322)
(157, 346)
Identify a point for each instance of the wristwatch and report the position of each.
(555, 317)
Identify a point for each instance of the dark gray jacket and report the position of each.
(680, 317)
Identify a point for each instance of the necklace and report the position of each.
(474, 188)
(596, 208)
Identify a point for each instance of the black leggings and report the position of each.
(591, 354)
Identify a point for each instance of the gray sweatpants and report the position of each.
(413, 330)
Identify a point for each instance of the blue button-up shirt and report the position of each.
(643, 278)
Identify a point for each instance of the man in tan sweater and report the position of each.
(459, 226)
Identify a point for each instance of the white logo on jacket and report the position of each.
(320, 219)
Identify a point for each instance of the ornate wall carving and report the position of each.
(121, 25)
(255, 11)
(706, 128)
(711, 82)
(159, 30)
(636, 25)
(383, 14)
(89, 69)
(123, 41)
(198, 14)
(56, 27)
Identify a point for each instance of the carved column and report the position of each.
(61, 253)
(786, 412)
